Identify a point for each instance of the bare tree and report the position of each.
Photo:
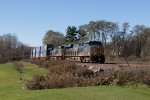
(11, 48)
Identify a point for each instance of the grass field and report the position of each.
(11, 88)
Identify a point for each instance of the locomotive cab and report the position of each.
(92, 50)
(96, 52)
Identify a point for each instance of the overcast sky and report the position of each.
(31, 19)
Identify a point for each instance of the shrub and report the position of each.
(68, 74)
(19, 67)
(111, 58)
(36, 83)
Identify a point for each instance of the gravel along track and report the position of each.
(115, 66)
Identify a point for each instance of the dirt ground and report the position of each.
(116, 66)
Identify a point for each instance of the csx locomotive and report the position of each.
(90, 51)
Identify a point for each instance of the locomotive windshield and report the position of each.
(94, 43)
(67, 46)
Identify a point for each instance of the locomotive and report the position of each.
(89, 51)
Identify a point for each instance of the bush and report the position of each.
(68, 74)
(132, 58)
(62, 74)
(37, 82)
(111, 58)
(18, 66)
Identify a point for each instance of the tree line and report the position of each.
(12, 49)
(121, 41)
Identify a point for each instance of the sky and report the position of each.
(31, 19)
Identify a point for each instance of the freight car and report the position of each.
(41, 52)
(90, 51)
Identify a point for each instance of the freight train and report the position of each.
(89, 51)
